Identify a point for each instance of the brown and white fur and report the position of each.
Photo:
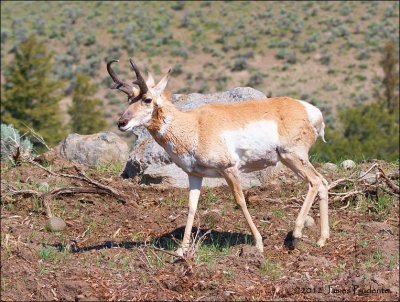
(219, 140)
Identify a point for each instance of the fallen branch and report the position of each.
(335, 183)
(390, 184)
(11, 190)
(61, 191)
(369, 170)
(346, 206)
(77, 190)
(23, 192)
(84, 178)
(97, 184)
(362, 188)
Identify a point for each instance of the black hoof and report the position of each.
(290, 242)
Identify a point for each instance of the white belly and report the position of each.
(253, 147)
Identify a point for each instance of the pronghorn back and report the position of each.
(289, 114)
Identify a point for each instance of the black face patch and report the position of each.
(133, 100)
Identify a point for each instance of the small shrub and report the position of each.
(360, 77)
(325, 59)
(329, 87)
(178, 5)
(281, 54)
(340, 32)
(308, 47)
(221, 82)
(205, 3)
(331, 71)
(39, 26)
(239, 64)
(291, 58)
(256, 79)
(392, 11)
(283, 44)
(177, 69)
(4, 35)
(180, 51)
(90, 39)
(185, 20)
(14, 147)
(204, 88)
(361, 98)
(364, 54)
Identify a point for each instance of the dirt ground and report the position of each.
(111, 250)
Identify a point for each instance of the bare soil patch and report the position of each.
(105, 254)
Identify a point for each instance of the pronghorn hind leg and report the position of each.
(318, 186)
(232, 178)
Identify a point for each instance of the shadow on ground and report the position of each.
(168, 241)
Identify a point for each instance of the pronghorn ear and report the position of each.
(150, 81)
(159, 88)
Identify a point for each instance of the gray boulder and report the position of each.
(149, 161)
(95, 149)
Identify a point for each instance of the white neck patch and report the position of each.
(164, 126)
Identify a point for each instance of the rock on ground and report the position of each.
(348, 164)
(368, 177)
(95, 149)
(330, 167)
(152, 164)
(309, 222)
(55, 224)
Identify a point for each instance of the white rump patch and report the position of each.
(315, 117)
(314, 114)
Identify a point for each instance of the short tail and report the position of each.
(321, 132)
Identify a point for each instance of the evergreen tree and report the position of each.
(30, 96)
(390, 66)
(86, 114)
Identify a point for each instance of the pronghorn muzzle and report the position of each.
(124, 119)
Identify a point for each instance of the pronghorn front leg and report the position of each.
(232, 178)
(194, 185)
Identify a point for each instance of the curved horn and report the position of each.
(124, 87)
(139, 81)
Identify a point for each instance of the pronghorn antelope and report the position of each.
(219, 140)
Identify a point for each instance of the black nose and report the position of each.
(122, 122)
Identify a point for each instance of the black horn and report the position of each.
(139, 79)
(118, 84)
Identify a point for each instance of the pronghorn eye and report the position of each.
(147, 100)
